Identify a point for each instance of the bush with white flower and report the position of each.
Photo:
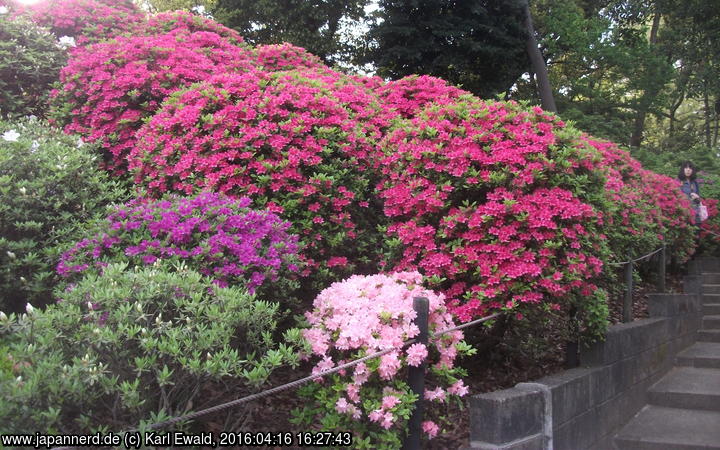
(363, 315)
(30, 61)
(49, 186)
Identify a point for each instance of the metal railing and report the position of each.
(627, 301)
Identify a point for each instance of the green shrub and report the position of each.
(30, 61)
(49, 183)
(133, 346)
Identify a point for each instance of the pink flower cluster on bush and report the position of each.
(366, 314)
(175, 22)
(645, 209)
(85, 20)
(109, 88)
(217, 236)
(285, 140)
(410, 95)
(710, 229)
(480, 195)
(285, 56)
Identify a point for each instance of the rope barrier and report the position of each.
(295, 383)
(636, 259)
(710, 232)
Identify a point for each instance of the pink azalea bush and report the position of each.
(85, 20)
(491, 202)
(287, 141)
(710, 229)
(176, 22)
(219, 237)
(285, 56)
(109, 88)
(646, 209)
(410, 95)
(363, 315)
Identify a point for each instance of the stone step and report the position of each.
(710, 288)
(710, 298)
(700, 354)
(710, 278)
(711, 308)
(704, 264)
(711, 323)
(709, 335)
(688, 387)
(661, 428)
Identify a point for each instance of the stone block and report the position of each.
(608, 414)
(632, 400)
(570, 393)
(603, 383)
(505, 416)
(692, 284)
(652, 361)
(662, 305)
(579, 433)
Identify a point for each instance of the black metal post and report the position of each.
(572, 358)
(416, 377)
(661, 271)
(627, 305)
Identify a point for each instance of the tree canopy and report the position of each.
(479, 44)
(312, 24)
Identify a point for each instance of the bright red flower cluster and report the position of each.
(408, 96)
(482, 198)
(175, 22)
(85, 20)
(645, 209)
(276, 57)
(109, 88)
(285, 139)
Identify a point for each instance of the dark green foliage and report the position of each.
(479, 44)
(133, 346)
(30, 61)
(49, 184)
(312, 24)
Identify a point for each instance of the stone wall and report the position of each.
(583, 408)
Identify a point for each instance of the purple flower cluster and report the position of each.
(219, 237)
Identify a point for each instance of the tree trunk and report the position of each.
(708, 115)
(538, 64)
(639, 126)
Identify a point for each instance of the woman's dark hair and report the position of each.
(681, 174)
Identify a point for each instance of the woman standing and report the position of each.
(690, 187)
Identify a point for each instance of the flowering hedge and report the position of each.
(219, 237)
(287, 141)
(408, 96)
(490, 202)
(363, 315)
(109, 88)
(84, 20)
(175, 22)
(645, 210)
(285, 56)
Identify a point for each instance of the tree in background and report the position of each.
(312, 24)
(156, 6)
(479, 44)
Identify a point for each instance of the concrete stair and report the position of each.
(683, 410)
(659, 427)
